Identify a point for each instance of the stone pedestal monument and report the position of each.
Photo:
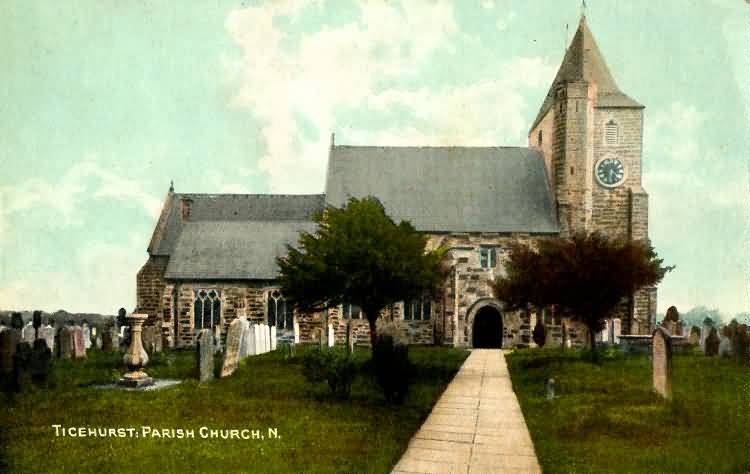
(135, 358)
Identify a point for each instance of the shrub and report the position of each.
(336, 368)
(539, 334)
(393, 370)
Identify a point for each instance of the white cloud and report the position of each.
(103, 287)
(296, 91)
(84, 180)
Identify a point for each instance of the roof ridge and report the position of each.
(444, 147)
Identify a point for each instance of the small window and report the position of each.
(351, 311)
(539, 138)
(487, 257)
(279, 313)
(572, 170)
(418, 310)
(611, 133)
(206, 309)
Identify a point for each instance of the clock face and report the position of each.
(610, 171)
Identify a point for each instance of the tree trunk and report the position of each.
(592, 341)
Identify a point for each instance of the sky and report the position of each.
(103, 102)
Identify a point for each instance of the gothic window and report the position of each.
(279, 313)
(206, 309)
(611, 133)
(487, 257)
(418, 310)
(351, 311)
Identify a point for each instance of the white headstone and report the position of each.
(616, 330)
(330, 335)
(27, 333)
(244, 334)
(605, 331)
(267, 336)
(48, 334)
(296, 332)
(86, 336)
(273, 338)
(258, 349)
(263, 338)
(250, 340)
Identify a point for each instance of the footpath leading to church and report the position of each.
(475, 427)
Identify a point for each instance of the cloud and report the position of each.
(102, 288)
(299, 87)
(83, 181)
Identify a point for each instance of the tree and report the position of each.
(585, 277)
(359, 256)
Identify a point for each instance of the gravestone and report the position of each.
(232, 352)
(296, 332)
(8, 342)
(110, 338)
(98, 342)
(264, 338)
(205, 355)
(331, 339)
(741, 344)
(258, 339)
(16, 321)
(273, 338)
(244, 334)
(251, 340)
(79, 346)
(21, 365)
(36, 320)
(661, 362)
(616, 330)
(86, 331)
(712, 342)
(41, 356)
(549, 389)
(217, 338)
(48, 334)
(27, 333)
(708, 324)
(725, 346)
(694, 338)
(65, 343)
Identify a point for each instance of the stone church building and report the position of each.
(211, 258)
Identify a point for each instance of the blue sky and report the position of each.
(104, 102)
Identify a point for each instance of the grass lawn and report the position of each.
(316, 433)
(607, 419)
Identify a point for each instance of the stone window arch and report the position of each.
(278, 312)
(206, 308)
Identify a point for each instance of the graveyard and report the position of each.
(309, 429)
(607, 418)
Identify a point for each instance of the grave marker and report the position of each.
(712, 342)
(41, 356)
(232, 352)
(273, 338)
(8, 342)
(79, 346)
(661, 362)
(65, 334)
(48, 334)
(244, 335)
(205, 355)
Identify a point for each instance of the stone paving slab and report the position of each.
(475, 427)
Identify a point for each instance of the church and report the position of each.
(212, 257)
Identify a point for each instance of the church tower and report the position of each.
(591, 134)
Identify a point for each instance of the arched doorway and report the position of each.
(487, 332)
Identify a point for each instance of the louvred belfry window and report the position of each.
(611, 133)
(207, 309)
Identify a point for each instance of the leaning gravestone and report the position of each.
(712, 342)
(41, 356)
(65, 343)
(205, 354)
(79, 345)
(232, 352)
(661, 362)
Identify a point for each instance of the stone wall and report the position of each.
(150, 287)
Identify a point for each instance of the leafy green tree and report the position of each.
(358, 255)
(585, 277)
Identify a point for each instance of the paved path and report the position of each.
(476, 425)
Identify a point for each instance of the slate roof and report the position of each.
(230, 208)
(207, 250)
(584, 62)
(448, 189)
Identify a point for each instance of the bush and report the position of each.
(336, 368)
(539, 334)
(393, 370)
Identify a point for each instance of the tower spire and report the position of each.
(583, 10)
(171, 186)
